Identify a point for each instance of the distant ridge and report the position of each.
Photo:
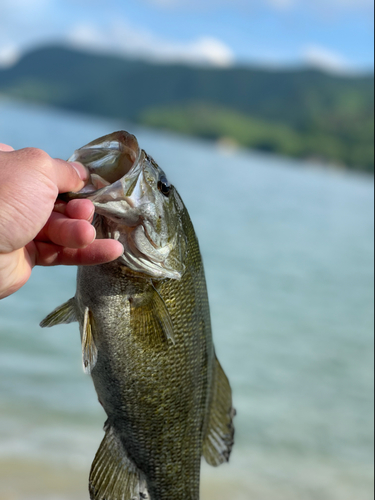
(302, 113)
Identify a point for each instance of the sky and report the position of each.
(336, 35)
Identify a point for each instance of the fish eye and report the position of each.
(164, 186)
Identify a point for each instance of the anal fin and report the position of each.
(219, 438)
(61, 315)
(113, 475)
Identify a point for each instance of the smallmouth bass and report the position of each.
(146, 334)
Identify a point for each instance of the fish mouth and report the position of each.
(108, 159)
(116, 165)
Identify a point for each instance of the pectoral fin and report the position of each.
(89, 350)
(151, 319)
(113, 475)
(62, 315)
(219, 439)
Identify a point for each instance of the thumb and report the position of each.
(68, 176)
(5, 148)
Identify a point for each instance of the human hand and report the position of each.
(36, 228)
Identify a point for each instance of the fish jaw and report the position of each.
(132, 220)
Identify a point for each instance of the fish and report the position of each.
(146, 333)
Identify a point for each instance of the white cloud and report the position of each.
(121, 37)
(9, 55)
(326, 59)
(25, 24)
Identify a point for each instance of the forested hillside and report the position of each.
(301, 113)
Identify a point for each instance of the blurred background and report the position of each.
(262, 114)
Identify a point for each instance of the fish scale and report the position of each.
(147, 342)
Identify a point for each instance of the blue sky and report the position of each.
(333, 34)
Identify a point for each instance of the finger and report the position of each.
(76, 209)
(66, 232)
(60, 207)
(5, 148)
(80, 209)
(99, 252)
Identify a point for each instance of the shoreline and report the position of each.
(36, 480)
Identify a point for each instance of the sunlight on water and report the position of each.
(289, 260)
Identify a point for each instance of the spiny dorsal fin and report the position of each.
(219, 439)
(61, 315)
(113, 475)
(151, 318)
(89, 350)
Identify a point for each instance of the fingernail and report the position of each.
(94, 235)
(81, 170)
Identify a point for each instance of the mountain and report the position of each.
(301, 113)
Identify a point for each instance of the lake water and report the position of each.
(288, 249)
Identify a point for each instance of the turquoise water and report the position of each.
(288, 249)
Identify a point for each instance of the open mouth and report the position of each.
(116, 166)
(108, 160)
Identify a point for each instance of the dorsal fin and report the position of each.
(219, 438)
(113, 475)
(61, 315)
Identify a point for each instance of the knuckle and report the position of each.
(40, 162)
(37, 155)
